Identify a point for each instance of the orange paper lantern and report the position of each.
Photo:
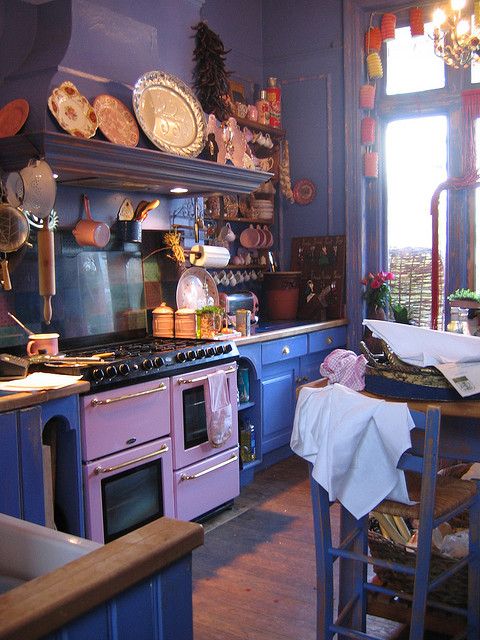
(374, 66)
(389, 22)
(367, 96)
(373, 39)
(417, 27)
(370, 164)
(367, 130)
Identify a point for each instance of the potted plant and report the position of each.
(209, 321)
(464, 299)
(377, 294)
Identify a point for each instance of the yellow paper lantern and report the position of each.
(374, 66)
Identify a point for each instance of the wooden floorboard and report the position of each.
(254, 578)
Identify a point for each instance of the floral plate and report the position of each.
(73, 111)
(304, 191)
(115, 121)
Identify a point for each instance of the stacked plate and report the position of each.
(263, 209)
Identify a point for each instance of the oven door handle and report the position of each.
(97, 403)
(202, 378)
(163, 449)
(184, 476)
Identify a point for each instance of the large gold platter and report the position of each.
(169, 114)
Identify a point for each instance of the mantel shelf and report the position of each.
(103, 165)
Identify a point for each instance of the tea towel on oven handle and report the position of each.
(219, 423)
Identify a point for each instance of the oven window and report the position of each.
(131, 499)
(194, 417)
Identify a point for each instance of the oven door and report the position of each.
(126, 490)
(191, 413)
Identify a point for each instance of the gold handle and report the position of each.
(202, 378)
(329, 340)
(98, 470)
(184, 476)
(96, 403)
(285, 351)
(298, 380)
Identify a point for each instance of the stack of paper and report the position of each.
(39, 381)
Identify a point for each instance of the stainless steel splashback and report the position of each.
(98, 293)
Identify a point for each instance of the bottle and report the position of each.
(274, 98)
(253, 443)
(263, 108)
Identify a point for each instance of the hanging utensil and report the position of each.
(14, 230)
(143, 209)
(46, 268)
(28, 331)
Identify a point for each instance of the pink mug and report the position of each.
(42, 342)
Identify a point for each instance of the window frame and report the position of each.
(365, 215)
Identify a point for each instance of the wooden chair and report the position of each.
(440, 499)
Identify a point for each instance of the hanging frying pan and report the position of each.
(14, 229)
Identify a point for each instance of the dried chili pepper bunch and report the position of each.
(210, 77)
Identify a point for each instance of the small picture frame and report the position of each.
(237, 91)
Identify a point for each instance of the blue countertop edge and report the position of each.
(273, 330)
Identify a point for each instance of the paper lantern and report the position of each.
(373, 39)
(367, 130)
(367, 96)
(389, 21)
(416, 21)
(476, 12)
(374, 66)
(370, 164)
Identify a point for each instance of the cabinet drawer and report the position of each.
(126, 417)
(278, 350)
(207, 484)
(327, 339)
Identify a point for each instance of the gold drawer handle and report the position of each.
(285, 351)
(97, 403)
(329, 340)
(163, 449)
(184, 476)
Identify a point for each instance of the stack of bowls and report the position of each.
(263, 209)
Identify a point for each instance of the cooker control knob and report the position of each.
(210, 352)
(158, 361)
(97, 374)
(227, 348)
(219, 350)
(124, 369)
(181, 357)
(147, 364)
(200, 353)
(111, 371)
(190, 355)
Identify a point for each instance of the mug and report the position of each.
(42, 342)
(241, 109)
(226, 233)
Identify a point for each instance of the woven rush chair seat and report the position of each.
(421, 577)
(449, 495)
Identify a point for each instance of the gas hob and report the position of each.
(114, 365)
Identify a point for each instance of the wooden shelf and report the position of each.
(274, 132)
(245, 405)
(250, 220)
(103, 165)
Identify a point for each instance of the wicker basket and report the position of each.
(453, 591)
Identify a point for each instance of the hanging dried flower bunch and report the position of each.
(210, 78)
(172, 240)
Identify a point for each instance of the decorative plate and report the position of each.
(169, 114)
(115, 121)
(73, 111)
(304, 191)
(196, 289)
(12, 117)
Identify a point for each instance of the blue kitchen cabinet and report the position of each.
(320, 344)
(27, 438)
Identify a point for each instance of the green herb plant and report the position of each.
(464, 294)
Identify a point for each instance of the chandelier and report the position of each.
(456, 38)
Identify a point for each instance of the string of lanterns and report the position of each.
(374, 38)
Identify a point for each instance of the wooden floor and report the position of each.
(254, 578)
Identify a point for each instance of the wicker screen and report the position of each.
(412, 286)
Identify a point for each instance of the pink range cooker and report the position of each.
(145, 448)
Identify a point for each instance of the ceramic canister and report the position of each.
(163, 321)
(185, 323)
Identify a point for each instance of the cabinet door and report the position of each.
(30, 445)
(10, 494)
(278, 403)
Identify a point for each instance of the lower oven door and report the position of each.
(191, 411)
(126, 490)
(206, 485)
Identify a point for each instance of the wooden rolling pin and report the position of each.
(46, 268)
